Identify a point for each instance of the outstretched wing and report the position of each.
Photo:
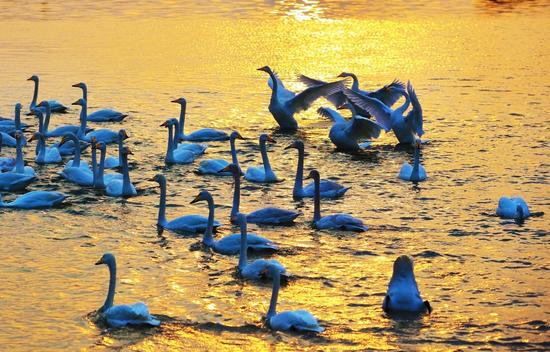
(362, 128)
(337, 99)
(304, 100)
(386, 95)
(283, 93)
(375, 107)
(414, 117)
(331, 114)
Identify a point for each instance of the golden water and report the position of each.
(481, 72)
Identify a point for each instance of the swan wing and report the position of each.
(337, 99)
(414, 117)
(299, 320)
(387, 96)
(304, 100)
(361, 127)
(282, 93)
(133, 314)
(272, 215)
(331, 114)
(375, 107)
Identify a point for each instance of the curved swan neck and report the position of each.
(19, 163)
(34, 94)
(317, 199)
(275, 84)
(84, 92)
(101, 168)
(274, 295)
(41, 148)
(40, 116)
(405, 105)
(126, 183)
(208, 239)
(243, 255)
(236, 195)
(416, 165)
(181, 126)
(234, 158)
(47, 118)
(83, 117)
(161, 220)
(170, 145)
(355, 84)
(299, 181)
(95, 172)
(112, 285)
(120, 146)
(265, 158)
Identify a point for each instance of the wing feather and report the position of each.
(414, 117)
(303, 100)
(375, 107)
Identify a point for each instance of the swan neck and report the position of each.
(126, 184)
(76, 159)
(34, 94)
(274, 295)
(317, 200)
(85, 93)
(355, 84)
(275, 84)
(17, 118)
(405, 105)
(112, 285)
(210, 225)
(83, 117)
(265, 158)
(416, 165)
(95, 172)
(234, 158)
(299, 181)
(243, 255)
(161, 220)
(170, 145)
(47, 119)
(120, 146)
(181, 125)
(236, 194)
(101, 168)
(19, 163)
(41, 148)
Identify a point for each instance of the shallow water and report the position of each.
(481, 71)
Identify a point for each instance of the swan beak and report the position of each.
(76, 85)
(32, 138)
(342, 75)
(271, 139)
(240, 137)
(76, 103)
(164, 124)
(30, 79)
(197, 198)
(126, 135)
(175, 101)
(265, 69)
(226, 169)
(63, 141)
(128, 151)
(99, 262)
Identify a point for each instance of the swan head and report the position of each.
(519, 211)
(102, 146)
(107, 259)
(234, 169)
(236, 135)
(80, 102)
(265, 69)
(180, 101)
(345, 74)
(265, 137)
(127, 151)
(403, 267)
(17, 107)
(296, 145)
(167, 123)
(159, 178)
(33, 78)
(80, 85)
(36, 136)
(203, 195)
(45, 104)
(18, 134)
(314, 174)
(123, 134)
(271, 271)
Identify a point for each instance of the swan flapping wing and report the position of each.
(331, 114)
(375, 107)
(361, 127)
(304, 100)
(414, 117)
(386, 95)
(283, 93)
(337, 99)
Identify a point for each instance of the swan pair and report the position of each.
(45, 155)
(513, 208)
(102, 135)
(414, 172)
(35, 200)
(202, 135)
(103, 115)
(54, 104)
(284, 103)
(176, 155)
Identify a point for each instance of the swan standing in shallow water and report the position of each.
(340, 221)
(122, 315)
(213, 166)
(54, 104)
(416, 172)
(178, 156)
(513, 208)
(6, 163)
(103, 135)
(186, 223)
(35, 200)
(254, 270)
(297, 320)
(407, 129)
(284, 103)
(264, 173)
(202, 135)
(46, 155)
(124, 187)
(103, 115)
(229, 244)
(265, 216)
(403, 295)
(329, 189)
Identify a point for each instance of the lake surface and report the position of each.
(481, 72)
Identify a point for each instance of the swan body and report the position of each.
(297, 320)
(329, 189)
(262, 174)
(187, 223)
(103, 135)
(415, 172)
(101, 178)
(202, 135)
(284, 103)
(6, 163)
(178, 156)
(10, 181)
(54, 104)
(74, 171)
(513, 208)
(35, 200)
(11, 125)
(231, 244)
(20, 167)
(103, 115)
(213, 166)
(122, 315)
(343, 222)
(46, 155)
(403, 295)
(266, 216)
(195, 148)
(114, 162)
(124, 187)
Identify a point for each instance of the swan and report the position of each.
(196, 148)
(12, 125)
(100, 178)
(6, 163)
(407, 129)
(122, 315)
(416, 172)
(103, 115)
(175, 156)
(124, 187)
(340, 221)
(20, 167)
(46, 155)
(329, 189)
(10, 181)
(202, 135)
(103, 135)
(345, 134)
(54, 104)
(384, 94)
(213, 166)
(72, 139)
(284, 103)
(403, 295)
(35, 200)
(262, 174)
(114, 162)
(513, 208)
(8, 140)
(266, 216)
(186, 223)
(229, 244)
(296, 320)
(59, 131)
(254, 270)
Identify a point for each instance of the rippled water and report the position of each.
(481, 72)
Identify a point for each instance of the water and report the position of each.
(481, 73)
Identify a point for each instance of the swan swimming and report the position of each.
(296, 320)
(213, 166)
(329, 189)
(513, 208)
(202, 135)
(284, 103)
(20, 167)
(10, 181)
(46, 155)
(102, 135)
(103, 115)
(59, 131)
(264, 173)
(122, 188)
(231, 244)
(54, 104)
(122, 315)
(416, 172)
(114, 162)
(196, 148)
(340, 221)
(71, 138)
(186, 223)
(178, 156)
(35, 200)
(265, 216)
(100, 177)
(6, 163)
(403, 295)
(11, 125)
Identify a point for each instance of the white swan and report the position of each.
(213, 166)
(103, 115)
(122, 315)
(196, 148)
(11, 125)
(114, 162)
(297, 320)
(231, 244)
(59, 131)
(182, 156)
(10, 181)
(124, 187)
(46, 155)
(416, 172)
(266, 216)
(20, 167)
(340, 221)
(202, 135)
(71, 138)
(329, 189)
(284, 103)
(264, 173)
(403, 295)
(6, 163)
(407, 129)
(513, 208)
(100, 177)
(103, 135)
(186, 223)
(254, 270)
(35, 200)
(54, 104)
